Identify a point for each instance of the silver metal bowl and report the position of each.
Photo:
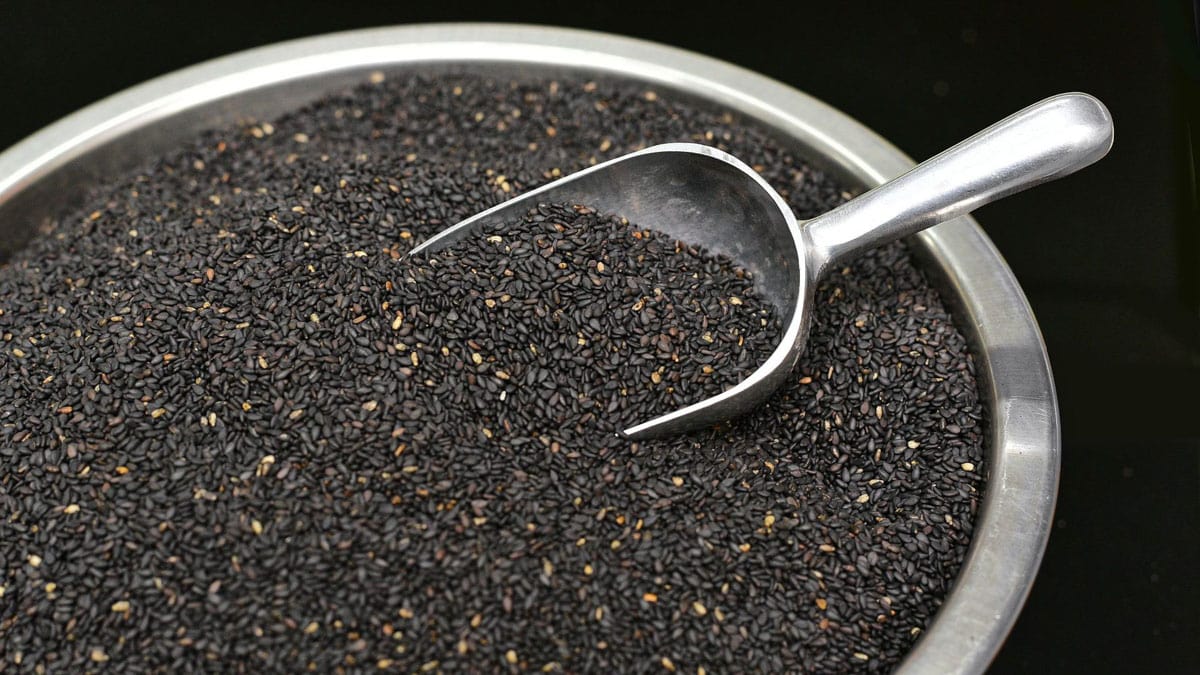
(41, 174)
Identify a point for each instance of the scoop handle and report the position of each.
(1045, 141)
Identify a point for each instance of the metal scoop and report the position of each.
(704, 196)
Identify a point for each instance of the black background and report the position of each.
(1109, 258)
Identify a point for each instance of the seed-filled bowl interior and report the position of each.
(240, 428)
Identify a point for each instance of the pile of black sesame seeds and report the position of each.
(239, 432)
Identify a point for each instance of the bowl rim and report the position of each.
(1023, 459)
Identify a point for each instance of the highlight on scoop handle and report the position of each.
(1048, 140)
